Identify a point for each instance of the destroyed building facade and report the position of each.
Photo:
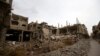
(96, 31)
(72, 29)
(18, 22)
(18, 29)
(40, 30)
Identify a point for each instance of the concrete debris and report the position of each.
(81, 48)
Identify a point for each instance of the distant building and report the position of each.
(40, 31)
(74, 30)
(96, 31)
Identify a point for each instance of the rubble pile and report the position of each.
(81, 48)
(53, 44)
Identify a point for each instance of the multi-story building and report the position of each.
(76, 29)
(33, 26)
(40, 31)
(96, 31)
(36, 30)
(16, 25)
(18, 22)
(18, 29)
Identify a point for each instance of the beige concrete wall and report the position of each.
(46, 32)
(21, 21)
(30, 27)
(23, 27)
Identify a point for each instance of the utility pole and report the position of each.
(67, 27)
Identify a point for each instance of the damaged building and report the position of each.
(18, 29)
(96, 31)
(76, 29)
(13, 27)
(40, 31)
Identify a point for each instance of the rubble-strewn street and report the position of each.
(94, 49)
(81, 48)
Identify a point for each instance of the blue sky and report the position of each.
(59, 11)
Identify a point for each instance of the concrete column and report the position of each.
(31, 36)
(30, 40)
(50, 32)
(57, 32)
(78, 31)
(22, 36)
(19, 38)
(3, 36)
(66, 27)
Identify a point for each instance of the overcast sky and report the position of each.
(59, 11)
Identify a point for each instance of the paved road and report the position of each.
(95, 48)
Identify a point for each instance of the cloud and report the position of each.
(58, 11)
